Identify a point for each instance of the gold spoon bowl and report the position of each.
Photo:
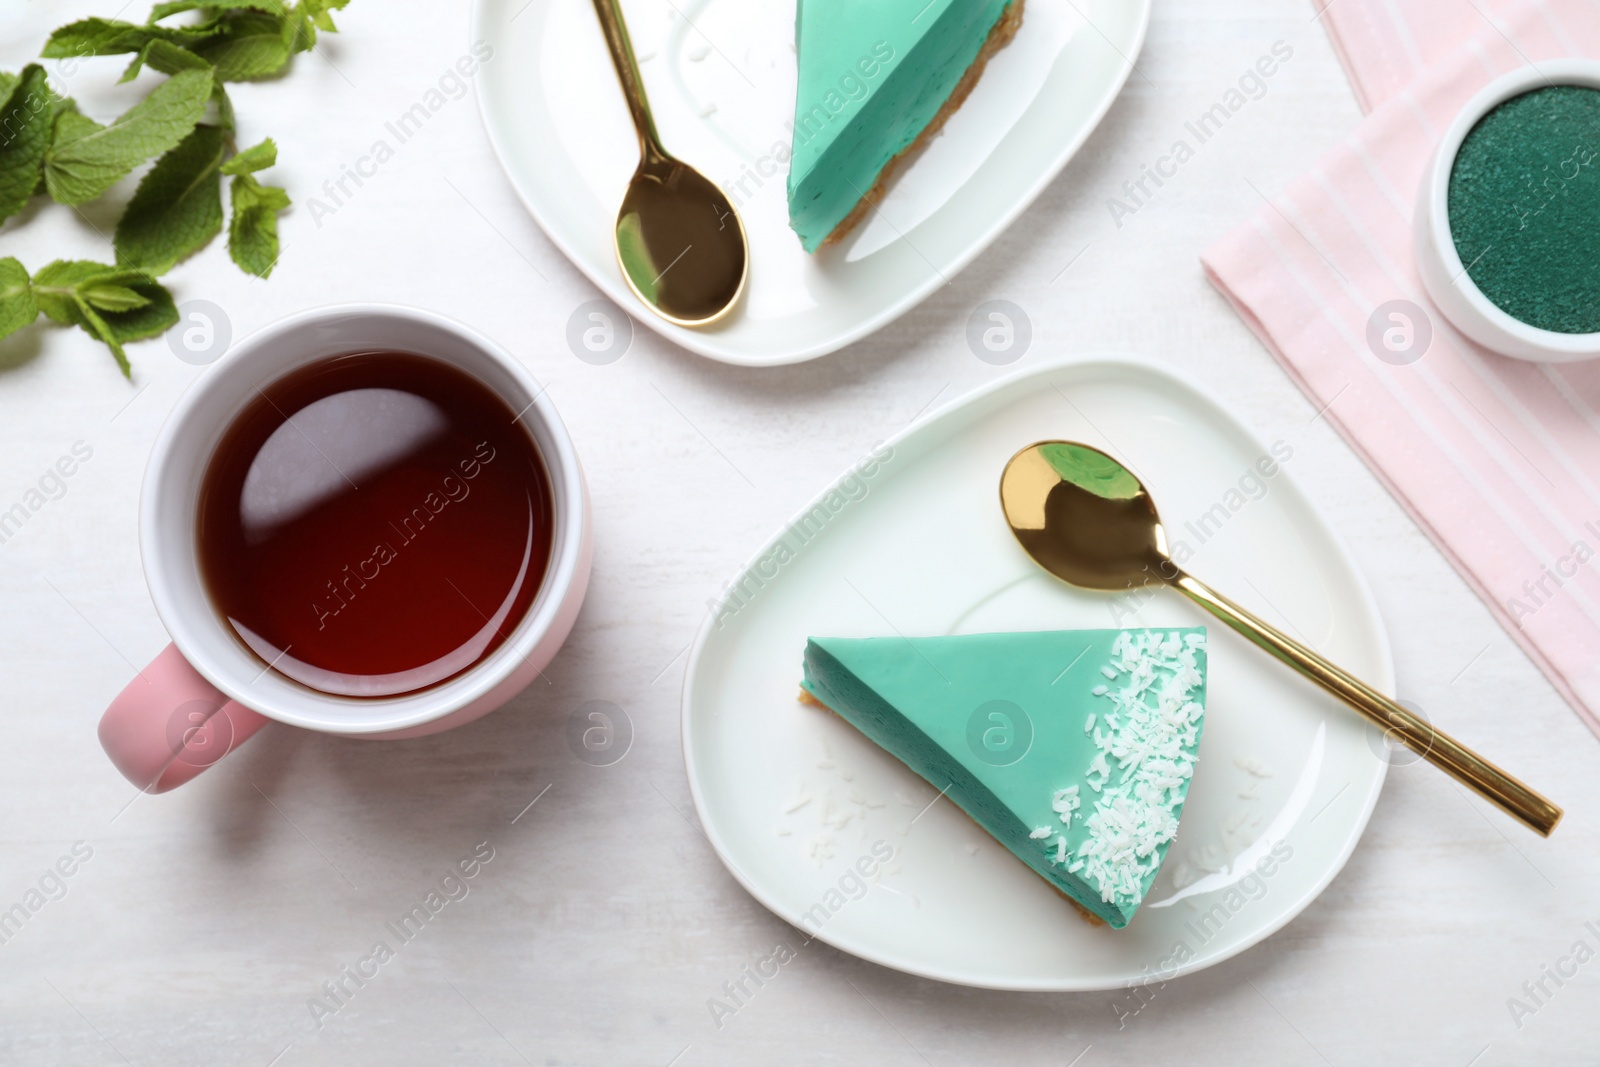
(1089, 521)
(679, 241)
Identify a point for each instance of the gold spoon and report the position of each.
(679, 241)
(1086, 519)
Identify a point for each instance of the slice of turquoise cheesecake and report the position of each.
(875, 80)
(1074, 748)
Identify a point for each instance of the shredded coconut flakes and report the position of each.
(1150, 736)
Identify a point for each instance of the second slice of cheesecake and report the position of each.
(1073, 748)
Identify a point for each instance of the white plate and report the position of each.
(721, 79)
(918, 547)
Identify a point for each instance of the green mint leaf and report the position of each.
(8, 82)
(103, 297)
(68, 290)
(164, 56)
(253, 230)
(109, 37)
(63, 113)
(249, 161)
(87, 158)
(69, 127)
(308, 17)
(170, 58)
(98, 327)
(25, 120)
(161, 11)
(178, 207)
(253, 44)
(55, 284)
(300, 30)
(94, 37)
(17, 306)
(149, 319)
(185, 36)
(322, 7)
(59, 105)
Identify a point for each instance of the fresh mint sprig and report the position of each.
(186, 124)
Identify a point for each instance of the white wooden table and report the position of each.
(203, 921)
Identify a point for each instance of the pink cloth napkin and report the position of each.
(1497, 459)
(1386, 44)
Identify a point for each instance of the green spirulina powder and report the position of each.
(1524, 204)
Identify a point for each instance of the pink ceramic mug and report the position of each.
(207, 693)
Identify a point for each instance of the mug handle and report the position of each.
(169, 724)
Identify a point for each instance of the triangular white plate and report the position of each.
(721, 74)
(912, 542)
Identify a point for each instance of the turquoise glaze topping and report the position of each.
(873, 74)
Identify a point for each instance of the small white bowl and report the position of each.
(1444, 276)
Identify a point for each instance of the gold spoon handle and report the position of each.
(1458, 761)
(621, 47)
